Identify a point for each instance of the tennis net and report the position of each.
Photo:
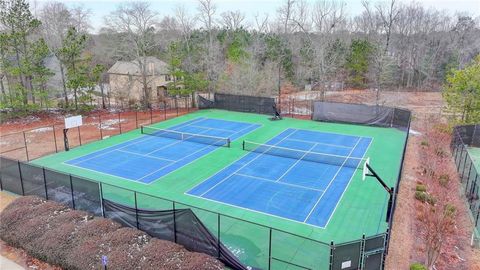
(331, 159)
(183, 136)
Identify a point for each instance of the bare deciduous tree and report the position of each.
(135, 23)
(233, 20)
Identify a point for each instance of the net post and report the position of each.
(141, 129)
(228, 142)
(243, 145)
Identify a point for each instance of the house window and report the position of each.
(168, 78)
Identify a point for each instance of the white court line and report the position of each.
(255, 211)
(99, 172)
(201, 149)
(328, 144)
(334, 133)
(202, 156)
(296, 162)
(223, 180)
(281, 183)
(331, 181)
(220, 129)
(141, 155)
(139, 140)
(184, 158)
(349, 181)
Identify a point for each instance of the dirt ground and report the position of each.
(18, 255)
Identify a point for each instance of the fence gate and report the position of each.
(374, 253)
(366, 254)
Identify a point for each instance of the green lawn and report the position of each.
(362, 208)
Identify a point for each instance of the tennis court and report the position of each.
(161, 151)
(475, 154)
(299, 175)
(302, 177)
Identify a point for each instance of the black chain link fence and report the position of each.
(235, 241)
(464, 140)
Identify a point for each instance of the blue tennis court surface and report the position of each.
(150, 157)
(299, 175)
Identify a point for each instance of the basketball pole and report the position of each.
(390, 190)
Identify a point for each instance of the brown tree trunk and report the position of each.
(4, 93)
(62, 72)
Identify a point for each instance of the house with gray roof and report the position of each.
(126, 80)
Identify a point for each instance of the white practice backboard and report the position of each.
(73, 121)
(365, 169)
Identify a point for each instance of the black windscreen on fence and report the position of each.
(59, 187)
(33, 180)
(86, 195)
(180, 226)
(239, 103)
(347, 256)
(10, 175)
(361, 114)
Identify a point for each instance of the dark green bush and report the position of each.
(421, 188)
(421, 196)
(444, 179)
(418, 266)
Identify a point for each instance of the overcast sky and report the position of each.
(100, 8)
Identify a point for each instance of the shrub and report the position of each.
(431, 200)
(76, 240)
(444, 179)
(421, 188)
(424, 143)
(418, 266)
(425, 197)
(421, 196)
(450, 210)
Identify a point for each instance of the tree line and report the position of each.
(388, 46)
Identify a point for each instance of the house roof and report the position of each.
(154, 67)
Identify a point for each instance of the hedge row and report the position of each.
(73, 239)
